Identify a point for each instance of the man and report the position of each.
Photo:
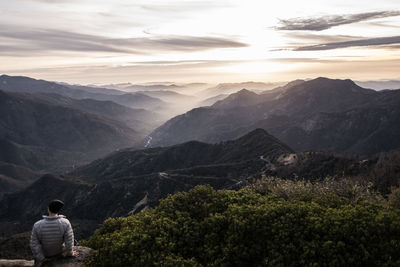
(52, 236)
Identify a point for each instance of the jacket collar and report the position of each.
(53, 217)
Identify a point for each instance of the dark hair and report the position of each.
(55, 206)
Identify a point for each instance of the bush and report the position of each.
(394, 197)
(328, 192)
(204, 227)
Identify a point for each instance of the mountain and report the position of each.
(138, 162)
(36, 156)
(319, 114)
(42, 158)
(58, 127)
(380, 84)
(318, 95)
(284, 87)
(94, 89)
(14, 178)
(141, 120)
(211, 100)
(362, 131)
(229, 88)
(157, 86)
(178, 102)
(239, 99)
(112, 86)
(134, 100)
(30, 122)
(152, 87)
(29, 85)
(168, 96)
(21, 84)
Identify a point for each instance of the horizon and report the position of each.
(99, 42)
(377, 85)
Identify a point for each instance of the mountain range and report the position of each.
(49, 132)
(380, 85)
(27, 120)
(130, 180)
(84, 144)
(28, 85)
(229, 88)
(130, 162)
(47, 126)
(320, 114)
(183, 88)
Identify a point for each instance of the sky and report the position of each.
(103, 41)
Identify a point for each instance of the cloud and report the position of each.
(301, 39)
(177, 43)
(307, 36)
(384, 24)
(15, 40)
(326, 22)
(44, 40)
(355, 43)
(152, 71)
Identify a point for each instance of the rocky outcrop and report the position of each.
(83, 252)
(15, 263)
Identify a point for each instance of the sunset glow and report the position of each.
(98, 41)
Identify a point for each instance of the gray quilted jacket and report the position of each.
(51, 236)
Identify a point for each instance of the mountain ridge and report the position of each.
(193, 153)
(287, 112)
(24, 84)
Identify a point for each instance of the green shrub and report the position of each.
(394, 197)
(204, 227)
(328, 192)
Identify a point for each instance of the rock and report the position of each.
(58, 262)
(15, 263)
(71, 261)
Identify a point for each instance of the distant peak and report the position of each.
(324, 79)
(257, 134)
(245, 91)
(16, 78)
(326, 83)
(5, 77)
(321, 80)
(295, 82)
(258, 131)
(350, 81)
(260, 137)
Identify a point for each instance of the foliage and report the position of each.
(204, 227)
(15, 247)
(394, 197)
(327, 192)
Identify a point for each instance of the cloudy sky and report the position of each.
(103, 41)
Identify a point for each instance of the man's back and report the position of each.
(48, 237)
